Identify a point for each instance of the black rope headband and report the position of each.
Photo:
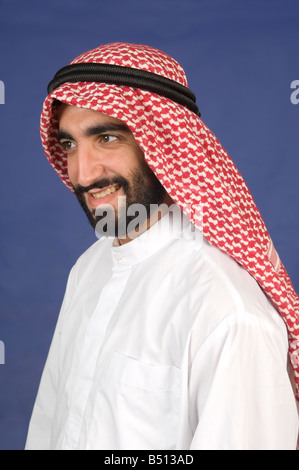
(126, 76)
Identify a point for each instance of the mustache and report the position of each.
(100, 184)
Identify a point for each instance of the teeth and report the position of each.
(105, 192)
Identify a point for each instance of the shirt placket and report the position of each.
(92, 347)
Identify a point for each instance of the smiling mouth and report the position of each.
(105, 192)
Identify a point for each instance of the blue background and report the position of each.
(240, 57)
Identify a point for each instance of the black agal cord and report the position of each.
(126, 76)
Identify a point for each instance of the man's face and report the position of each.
(105, 162)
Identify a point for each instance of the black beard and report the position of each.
(144, 188)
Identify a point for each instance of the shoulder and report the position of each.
(233, 282)
(234, 303)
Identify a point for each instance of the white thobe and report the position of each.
(165, 343)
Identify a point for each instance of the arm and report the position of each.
(240, 396)
(40, 428)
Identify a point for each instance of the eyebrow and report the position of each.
(95, 130)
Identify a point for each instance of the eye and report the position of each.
(108, 138)
(67, 145)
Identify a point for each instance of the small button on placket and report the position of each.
(117, 256)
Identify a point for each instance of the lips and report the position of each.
(96, 196)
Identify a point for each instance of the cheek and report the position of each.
(139, 155)
(71, 170)
(136, 159)
(126, 162)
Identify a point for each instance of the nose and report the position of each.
(86, 167)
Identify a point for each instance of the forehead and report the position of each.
(77, 118)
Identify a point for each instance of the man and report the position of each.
(178, 325)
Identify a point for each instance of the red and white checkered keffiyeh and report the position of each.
(190, 163)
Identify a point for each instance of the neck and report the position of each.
(155, 217)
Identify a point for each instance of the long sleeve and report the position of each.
(240, 393)
(40, 427)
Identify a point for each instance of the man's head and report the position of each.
(106, 167)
